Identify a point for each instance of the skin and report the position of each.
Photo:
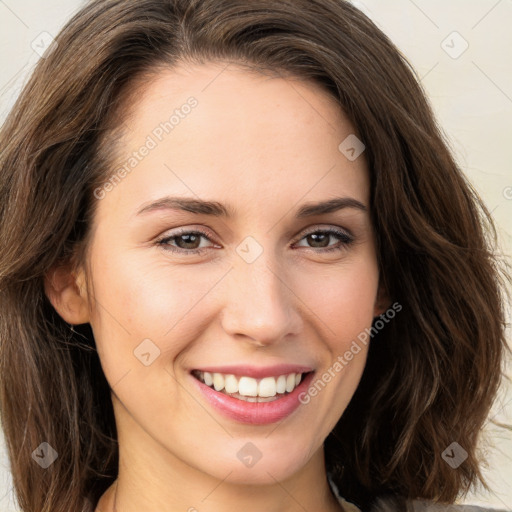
(262, 146)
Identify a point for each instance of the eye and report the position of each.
(319, 238)
(186, 242)
(189, 242)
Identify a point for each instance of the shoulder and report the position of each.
(391, 504)
(427, 506)
(385, 505)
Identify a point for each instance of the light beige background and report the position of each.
(471, 92)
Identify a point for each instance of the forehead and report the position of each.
(208, 130)
(231, 92)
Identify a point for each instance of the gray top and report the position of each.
(415, 505)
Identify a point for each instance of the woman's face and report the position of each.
(269, 293)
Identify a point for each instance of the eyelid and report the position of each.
(302, 234)
(183, 231)
(322, 228)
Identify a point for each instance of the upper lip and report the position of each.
(257, 372)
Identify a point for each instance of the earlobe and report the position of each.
(67, 292)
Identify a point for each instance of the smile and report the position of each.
(254, 396)
(250, 389)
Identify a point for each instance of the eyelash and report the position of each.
(345, 238)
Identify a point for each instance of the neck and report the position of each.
(293, 495)
(152, 478)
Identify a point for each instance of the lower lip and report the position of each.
(254, 413)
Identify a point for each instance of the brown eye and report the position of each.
(184, 242)
(320, 239)
(189, 241)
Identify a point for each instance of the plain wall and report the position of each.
(470, 90)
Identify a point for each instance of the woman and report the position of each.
(239, 266)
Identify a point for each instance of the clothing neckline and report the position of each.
(347, 506)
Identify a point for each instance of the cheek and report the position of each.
(344, 302)
(342, 296)
(138, 299)
(347, 302)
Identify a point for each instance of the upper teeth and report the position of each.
(247, 386)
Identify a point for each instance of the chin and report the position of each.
(265, 471)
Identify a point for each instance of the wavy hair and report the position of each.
(432, 373)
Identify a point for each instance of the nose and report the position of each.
(260, 305)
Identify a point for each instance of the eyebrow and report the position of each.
(216, 209)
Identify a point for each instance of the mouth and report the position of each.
(253, 395)
(250, 389)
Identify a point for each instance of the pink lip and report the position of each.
(257, 372)
(254, 413)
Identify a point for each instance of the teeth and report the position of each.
(218, 381)
(290, 382)
(281, 384)
(231, 384)
(248, 386)
(267, 387)
(251, 388)
(208, 379)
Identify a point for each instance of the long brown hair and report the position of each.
(432, 373)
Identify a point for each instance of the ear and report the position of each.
(66, 291)
(382, 300)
